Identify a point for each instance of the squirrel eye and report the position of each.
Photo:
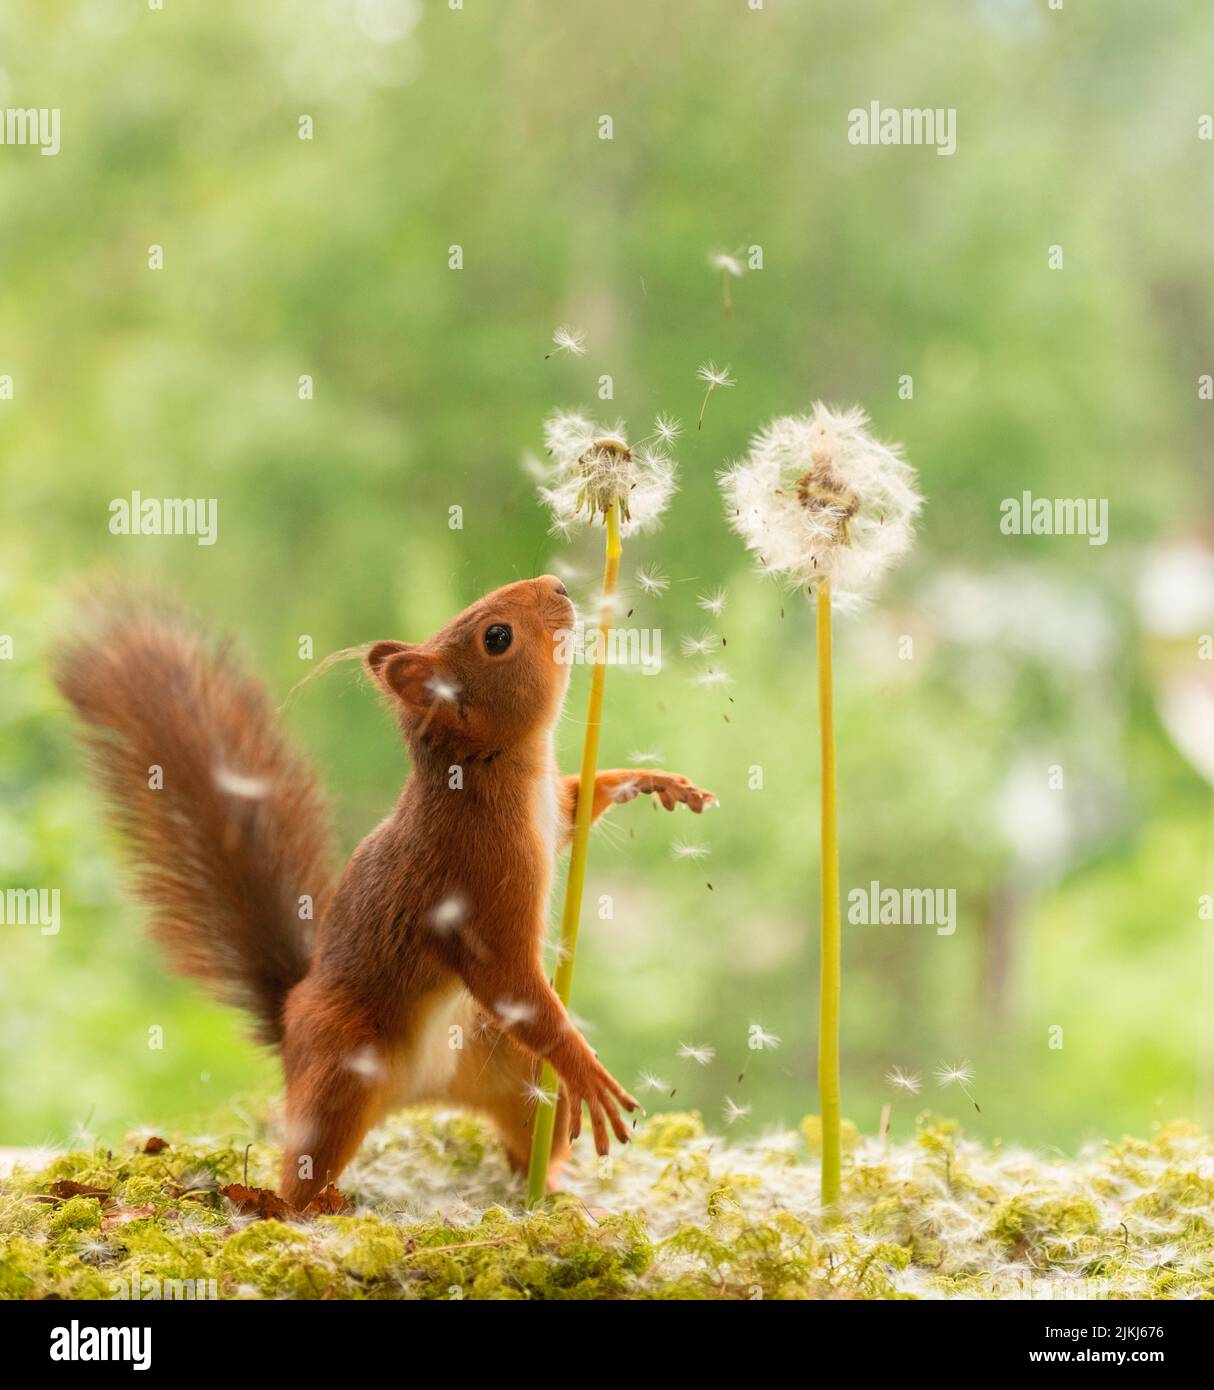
(497, 638)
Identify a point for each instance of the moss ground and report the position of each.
(679, 1214)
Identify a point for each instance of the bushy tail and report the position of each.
(232, 833)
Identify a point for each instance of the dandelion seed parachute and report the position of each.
(571, 340)
(904, 1081)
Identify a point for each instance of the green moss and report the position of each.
(678, 1215)
(78, 1214)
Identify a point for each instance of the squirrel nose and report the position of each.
(554, 584)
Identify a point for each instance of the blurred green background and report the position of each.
(1078, 908)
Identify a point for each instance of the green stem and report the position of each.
(828, 1010)
(545, 1114)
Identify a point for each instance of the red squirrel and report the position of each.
(425, 979)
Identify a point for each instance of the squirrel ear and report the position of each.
(413, 675)
(380, 654)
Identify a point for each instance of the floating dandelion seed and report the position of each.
(639, 757)
(365, 1062)
(961, 1077)
(536, 1095)
(729, 267)
(715, 377)
(680, 850)
(667, 429)
(819, 500)
(652, 580)
(713, 678)
(648, 1081)
(758, 1039)
(238, 784)
(904, 1081)
(727, 264)
(594, 469)
(557, 950)
(703, 1053)
(444, 690)
(448, 915)
(700, 646)
(713, 603)
(731, 1111)
(571, 340)
(511, 1012)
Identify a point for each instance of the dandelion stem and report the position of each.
(545, 1115)
(829, 989)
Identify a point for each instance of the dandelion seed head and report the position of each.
(760, 1039)
(702, 1053)
(819, 498)
(667, 428)
(682, 850)
(712, 679)
(594, 468)
(637, 756)
(731, 1111)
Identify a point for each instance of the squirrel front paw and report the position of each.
(670, 788)
(602, 1096)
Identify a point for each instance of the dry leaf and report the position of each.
(66, 1188)
(258, 1202)
(125, 1214)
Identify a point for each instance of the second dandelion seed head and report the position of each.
(818, 498)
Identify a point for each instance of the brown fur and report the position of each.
(426, 981)
(222, 874)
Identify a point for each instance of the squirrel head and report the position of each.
(489, 679)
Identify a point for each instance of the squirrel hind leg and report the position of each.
(337, 1088)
